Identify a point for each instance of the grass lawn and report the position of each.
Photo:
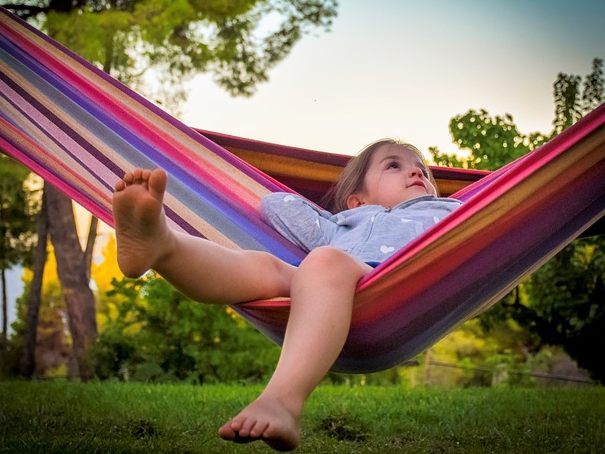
(66, 417)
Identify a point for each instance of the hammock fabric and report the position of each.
(80, 130)
(312, 173)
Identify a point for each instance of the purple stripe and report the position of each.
(34, 157)
(480, 279)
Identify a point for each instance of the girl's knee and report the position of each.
(324, 256)
(332, 261)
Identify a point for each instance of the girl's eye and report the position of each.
(393, 165)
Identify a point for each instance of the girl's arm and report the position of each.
(298, 220)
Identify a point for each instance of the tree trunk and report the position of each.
(4, 334)
(27, 363)
(90, 245)
(4, 307)
(71, 267)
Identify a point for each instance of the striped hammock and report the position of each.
(80, 130)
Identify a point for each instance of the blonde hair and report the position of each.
(352, 178)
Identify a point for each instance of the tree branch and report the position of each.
(90, 244)
(26, 11)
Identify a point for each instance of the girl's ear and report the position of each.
(354, 201)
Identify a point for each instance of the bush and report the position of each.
(160, 335)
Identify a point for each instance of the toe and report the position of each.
(157, 183)
(246, 428)
(259, 429)
(236, 424)
(128, 178)
(226, 433)
(137, 176)
(145, 178)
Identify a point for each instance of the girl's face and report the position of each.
(395, 175)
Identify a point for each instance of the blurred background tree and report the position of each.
(160, 335)
(17, 228)
(154, 45)
(562, 303)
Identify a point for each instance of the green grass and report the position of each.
(66, 417)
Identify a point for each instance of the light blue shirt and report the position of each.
(371, 233)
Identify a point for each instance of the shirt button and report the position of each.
(387, 210)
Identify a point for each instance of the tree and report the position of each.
(73, 273)
(158, 334)
(491, 142)
(567, 303)
(16, 227)
(52, 348)
(169, 40)
(27, 362)
(176, 38)
(562, 302)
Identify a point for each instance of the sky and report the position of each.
(403, 69)
(393, 68)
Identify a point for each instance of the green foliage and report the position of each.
(17, 233)
(571, 102)
(562, 302)
(161, 335)
(53, 343)
(475, 355)
(594, 88)
(18, 208)
(568, 108)
(567, 303)
(491, 142)
(237, 41)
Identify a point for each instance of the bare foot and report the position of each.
(141, 231)
(265, 419)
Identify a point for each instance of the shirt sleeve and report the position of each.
(298, 220)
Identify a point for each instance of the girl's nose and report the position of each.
(415, 171)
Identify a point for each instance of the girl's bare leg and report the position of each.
(199, 268)
(322, 298)
(321, 289)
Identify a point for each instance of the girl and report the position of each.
(385, 198)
